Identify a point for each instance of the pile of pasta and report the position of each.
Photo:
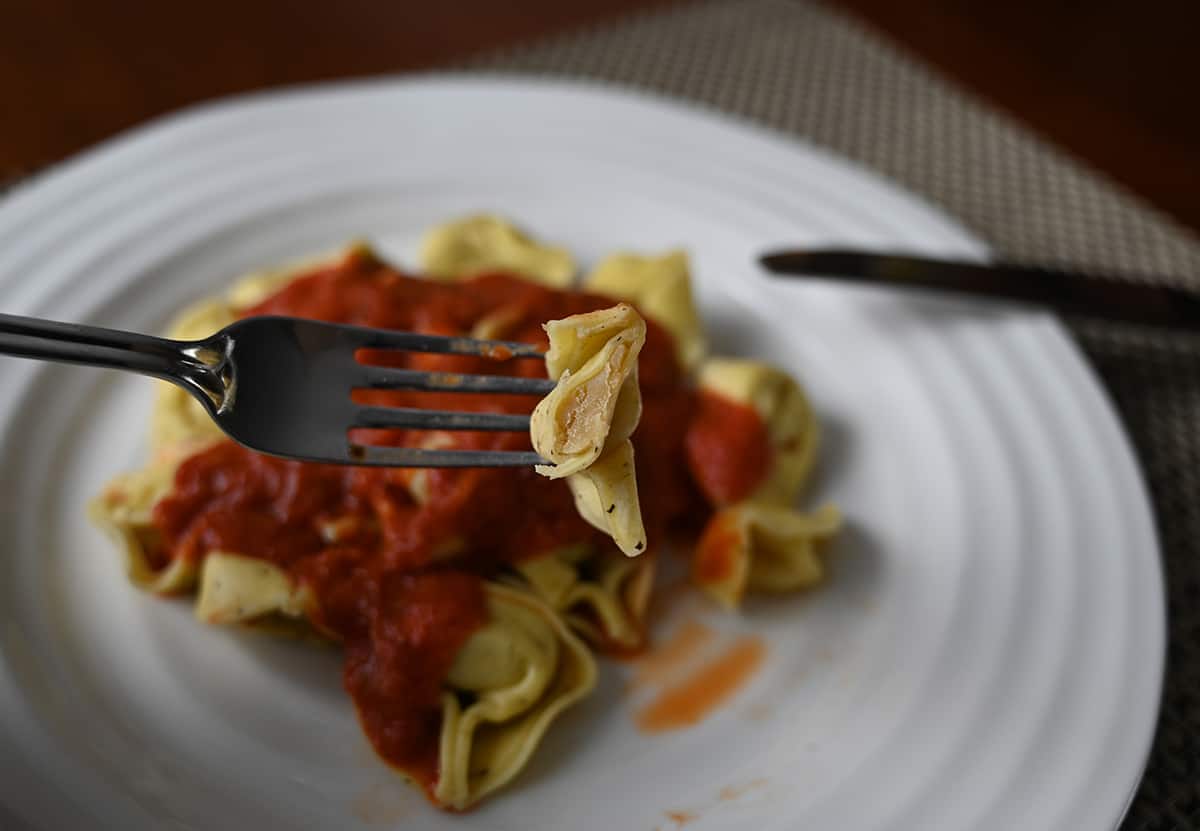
(533, 657)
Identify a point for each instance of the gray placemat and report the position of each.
(805, 69)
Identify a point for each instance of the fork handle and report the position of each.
(195, 366)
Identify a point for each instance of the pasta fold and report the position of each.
(661, 288)
(470, 246)
(602, 595)
(239, 589)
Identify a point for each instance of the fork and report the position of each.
(282, 385)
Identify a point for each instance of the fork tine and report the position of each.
(414, 342)
(418, 457)
(381, 377)
(417, 419)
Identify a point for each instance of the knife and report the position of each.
(1104, 296)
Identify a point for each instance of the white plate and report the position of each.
(988, 653)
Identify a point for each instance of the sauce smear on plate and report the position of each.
(695, 697)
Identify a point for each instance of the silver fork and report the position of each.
(282, 385)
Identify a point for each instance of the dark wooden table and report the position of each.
(1112, 81)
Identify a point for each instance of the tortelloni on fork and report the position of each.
(583, 426)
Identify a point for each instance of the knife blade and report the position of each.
(1105, 296)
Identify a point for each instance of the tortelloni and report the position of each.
(602, 594)
(583, 426)
(757, 547)
(792, 429)
(124, 510)
(239, 589)
(661, 288)
(481, 243)
(519, 671)
(230, 587)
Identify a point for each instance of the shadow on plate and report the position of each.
(835, 455)
(307, 663)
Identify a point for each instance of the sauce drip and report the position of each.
(680, 818)
(695, 697)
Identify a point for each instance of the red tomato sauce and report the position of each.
(716, 556)
(398, 579)
(728, 449)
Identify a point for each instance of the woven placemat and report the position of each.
(802, 68)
